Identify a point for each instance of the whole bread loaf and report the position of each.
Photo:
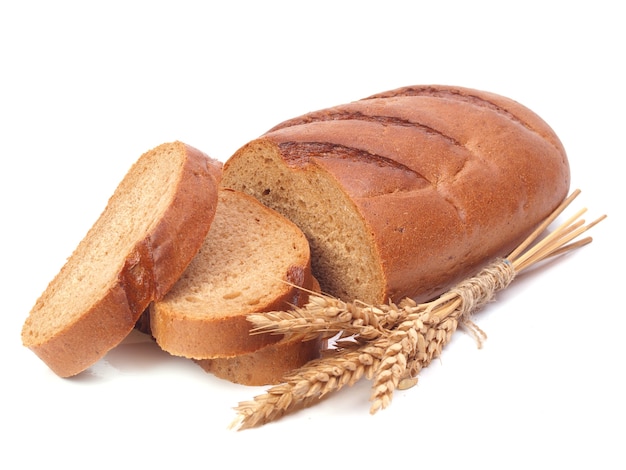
(252, 260)
(406, 192)
(151, 228)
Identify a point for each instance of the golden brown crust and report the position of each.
(151, 268)
(445, 178)
(178, 237)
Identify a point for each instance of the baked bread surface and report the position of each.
(151, 228)
(406, 192)
(252, 260)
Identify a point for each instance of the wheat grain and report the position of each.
(309, 384)
(401, 346)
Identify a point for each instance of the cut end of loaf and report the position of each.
(409, 191)
(342, 257)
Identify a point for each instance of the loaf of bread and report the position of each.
(151, 228)
(407, 192)
(401, 194)
(252, 260)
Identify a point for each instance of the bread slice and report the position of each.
(268, 365)
(252, 260)
(407, 192)
(151, 228)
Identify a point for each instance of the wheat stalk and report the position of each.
(390, 344)
(328, 316)
(309, 384)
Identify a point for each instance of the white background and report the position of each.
(87, 87)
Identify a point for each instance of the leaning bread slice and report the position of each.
(253, 260)
(151, 228)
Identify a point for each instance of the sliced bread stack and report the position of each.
(202, 257)
(252, 260)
